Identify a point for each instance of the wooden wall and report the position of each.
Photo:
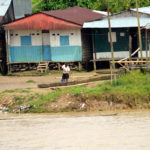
(87, 47)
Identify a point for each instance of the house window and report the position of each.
(25, 40)
(113, 35)
(64, 40)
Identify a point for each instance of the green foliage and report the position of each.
(114, 5)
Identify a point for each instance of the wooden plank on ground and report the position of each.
(74, 82)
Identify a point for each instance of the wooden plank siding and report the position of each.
(87, 52)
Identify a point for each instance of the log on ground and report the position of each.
(74, 82)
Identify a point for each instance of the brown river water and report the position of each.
(125, 131)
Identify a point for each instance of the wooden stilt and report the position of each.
(130, 47)
(59, 66)
(139, 30)
(94, 64)
(79, 66)
(111, 70)
(115, 77)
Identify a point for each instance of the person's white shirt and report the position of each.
(66, 69)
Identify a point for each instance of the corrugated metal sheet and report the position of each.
(145, 10)
(122, 22)
(4, 5)
(75, 14)
(22, 7)
(41, 22)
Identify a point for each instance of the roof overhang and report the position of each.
(121, 22)
(41, 21)
(144, 10)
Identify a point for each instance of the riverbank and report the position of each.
(131, 91)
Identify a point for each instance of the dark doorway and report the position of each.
(134, 41)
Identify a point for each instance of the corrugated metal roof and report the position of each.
(77, 15)
(22, 7)
(40, 22)
(145, 10)
(121, 22)
(4, 5)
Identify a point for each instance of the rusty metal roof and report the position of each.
(41, 21)
(77, 15)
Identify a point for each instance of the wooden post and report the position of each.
(130, 47)
(94, 63)
(139, 30)
(111, 71)
(59, 66)
(110, 37)
(7, 48)
(80, 66)
(94, 52)
(146, 47)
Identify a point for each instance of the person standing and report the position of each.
(66, 72)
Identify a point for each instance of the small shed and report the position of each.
(124, 35)
(51, 36)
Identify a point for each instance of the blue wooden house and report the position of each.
(50, 36)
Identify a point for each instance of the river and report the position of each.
(125, 131)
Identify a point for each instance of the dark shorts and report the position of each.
(65, 76)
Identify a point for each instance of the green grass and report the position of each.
(30, 81)
(131, 89)
(134, 84)
(17, 91)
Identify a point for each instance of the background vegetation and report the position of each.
(115, 5)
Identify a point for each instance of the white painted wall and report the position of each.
(74, 37)
(52, 38)
(121, 54)
(15, 37)
(144, 54)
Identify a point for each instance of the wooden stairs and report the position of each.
(42, 67)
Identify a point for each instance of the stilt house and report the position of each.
(124, 35)
(51, 36)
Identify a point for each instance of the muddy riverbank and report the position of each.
(131, 91)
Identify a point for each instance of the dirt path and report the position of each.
(19, 82)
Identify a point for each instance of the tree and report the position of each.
(115, 5)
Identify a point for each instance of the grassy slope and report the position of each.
(131, 89)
